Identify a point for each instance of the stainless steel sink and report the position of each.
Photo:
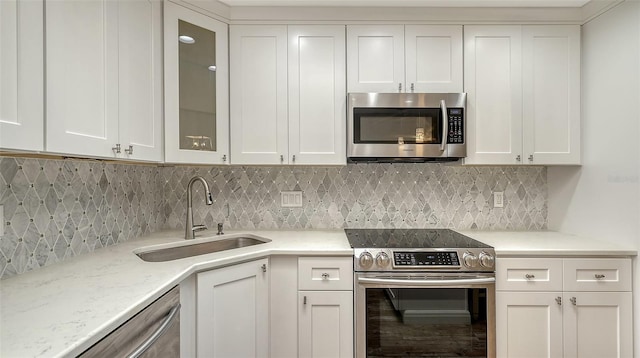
(200, 248)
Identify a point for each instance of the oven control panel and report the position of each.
(435, 258)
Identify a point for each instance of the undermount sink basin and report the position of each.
(200, 248)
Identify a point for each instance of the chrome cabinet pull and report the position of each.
(559, 300)
(304, 300)
(574, 301)
(412, 88)
(117, 148)
(531, 158)
(130, 150)
(529, 276)
(281, 158)
(325, 276)
(599, 276)
(293, 158)
(224, 158)
(171, 316)
(264, 267)
(518, 158)
(400, 88)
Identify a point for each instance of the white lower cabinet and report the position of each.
(325, 323)
(232, 311)
(583, 310)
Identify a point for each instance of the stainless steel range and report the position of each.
(423, 293)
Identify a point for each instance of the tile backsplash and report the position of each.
(56, 209)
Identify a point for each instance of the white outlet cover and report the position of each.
(291, 199)
(498, 199)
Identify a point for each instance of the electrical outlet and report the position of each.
(2, 220)
(498, 199)
(291, 199)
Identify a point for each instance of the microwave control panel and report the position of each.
(456, 130)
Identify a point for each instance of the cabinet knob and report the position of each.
(531, 158)
(559, 300)
(281, 158)
(224, 158)
(304, 300)
(412, 88)
(529, 276)
(400, 88)
(293, 158)
(325, 276)
(518, 158)
(117, 148)
(130, 150)
(599, 276)
(574, 301)
(264, 267)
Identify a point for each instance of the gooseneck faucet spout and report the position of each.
(190, 229)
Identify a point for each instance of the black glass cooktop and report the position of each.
(410, 239)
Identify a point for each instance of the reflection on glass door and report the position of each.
(197, 87)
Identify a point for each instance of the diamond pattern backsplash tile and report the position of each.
(56, 209)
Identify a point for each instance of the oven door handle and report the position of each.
(399, 281)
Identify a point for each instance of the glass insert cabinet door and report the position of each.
(196, 87)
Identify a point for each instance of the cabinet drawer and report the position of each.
(597, 274)
(528, 274)
(325, 273)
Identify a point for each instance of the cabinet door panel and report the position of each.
(433, 58)
(375, 58)
(493, 82)
(528, 325)
(233, 311)
(21, 75)
(196, 76)
(325, 323)
(82, 82)
(551, 89)
(259, 94)
(140, 78)
(317, 95)
(598, 324)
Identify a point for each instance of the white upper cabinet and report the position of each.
(397, 58)
(551, 94)
(21, 75)
(288, 98)
(523, 94)
(104, 86)
(317, 95)
(196, 87)
(259, 133)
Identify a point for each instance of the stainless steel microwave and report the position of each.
(406, 127)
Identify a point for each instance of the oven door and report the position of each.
(425, 315)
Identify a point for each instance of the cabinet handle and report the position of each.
(281, 158)
(130, 150)
(293, 158)
(445, 124)
(224, 158)
(529, 276)
(559, 300)
(157, 334)
(304, 300)
(531, 158)
(264, 267)
(599, 276)
(400, 88)
(518, 158)
(574, 301)
(325, 276)
(117, 148)
(412, 88)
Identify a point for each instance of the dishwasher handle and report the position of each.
(454, 282)
(171, 316)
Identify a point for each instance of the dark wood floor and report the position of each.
(388, 336)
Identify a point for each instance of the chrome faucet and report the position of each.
(190, 229)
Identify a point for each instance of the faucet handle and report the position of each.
(220, 229)
(198, 228)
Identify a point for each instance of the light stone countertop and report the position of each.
(63, 309)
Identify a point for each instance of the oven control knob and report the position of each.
(486, 260)
(366, 260)
(470, 260)
(382, 259)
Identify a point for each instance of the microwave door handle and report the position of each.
(445, 124)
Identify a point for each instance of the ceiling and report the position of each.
(411, 3)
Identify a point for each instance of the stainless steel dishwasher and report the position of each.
(153, 332)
